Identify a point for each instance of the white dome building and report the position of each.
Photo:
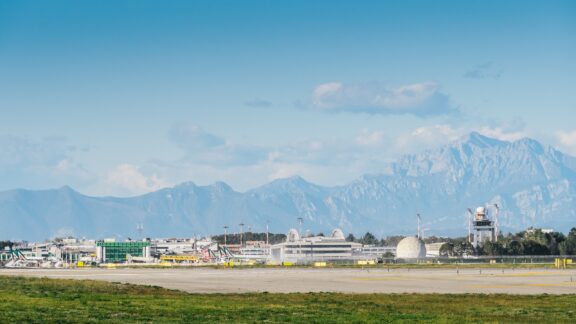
(411, 248)
(338, 234)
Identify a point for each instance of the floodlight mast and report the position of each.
(419, 220)
(140, 229)
(300, 221)
(470, 215)
(267, 233)
(424, 229)
(225, 232)
(496, 223)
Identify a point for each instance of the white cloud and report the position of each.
(285, 171)
(192, 137)
(436, 133)
(202, 147)
(567, 140)
(326, 89)
(230, 155)
(429, 137)
(502, 134)
(420, 99)
(20, 151)
(40, 163)
(68, 168)
(314, 151)
(371, 138)
(128, 179)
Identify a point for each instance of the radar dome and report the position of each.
(338, 234)
(293, 235)
(411, 248)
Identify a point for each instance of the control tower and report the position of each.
(484, 229)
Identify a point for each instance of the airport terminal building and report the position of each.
(315, 248)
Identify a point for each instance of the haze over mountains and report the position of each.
(533, 184)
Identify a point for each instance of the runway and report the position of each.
(292, 280)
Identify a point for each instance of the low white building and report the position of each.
(254, 250)
(315, 248)
(370, 251)
(433, 249)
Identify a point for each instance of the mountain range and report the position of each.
(533, 184)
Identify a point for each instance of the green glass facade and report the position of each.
(116, 252)
(5, 256)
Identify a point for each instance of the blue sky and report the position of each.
(125, 97)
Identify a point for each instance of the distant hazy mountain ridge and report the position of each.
(533, 184)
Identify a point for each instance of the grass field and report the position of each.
(52, 300)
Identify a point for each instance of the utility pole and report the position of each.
(225, 232)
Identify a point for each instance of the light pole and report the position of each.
(419, 220)
(423, 229)
(470, 215)
(300, 221)
(225, 232)
(267, 233)
(241, 233)
(496, 223)
(140, 229)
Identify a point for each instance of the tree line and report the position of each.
(371, 239)
(5, 244)
(533, 242)
(529, 242)
(249, 236)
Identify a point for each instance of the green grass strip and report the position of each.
(40, 300)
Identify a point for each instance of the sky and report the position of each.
(126, 97)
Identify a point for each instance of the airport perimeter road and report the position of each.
(287, 280)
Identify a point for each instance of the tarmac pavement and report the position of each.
(291, 280)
